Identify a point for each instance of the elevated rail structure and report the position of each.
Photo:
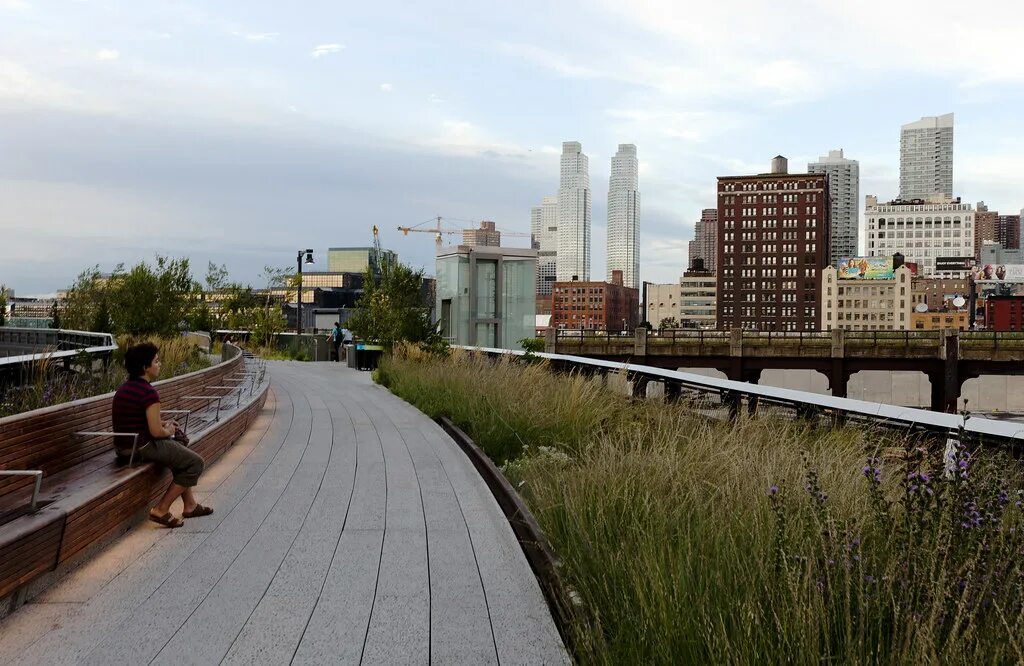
(949, 358)
(733, 394)
(20, 348)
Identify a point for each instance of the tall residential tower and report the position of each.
(844, 195)
(574, 215)
(705, 240)
(544, 239)
(926, 158)
(624, 216)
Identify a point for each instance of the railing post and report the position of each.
(551, 340)
(640, 342)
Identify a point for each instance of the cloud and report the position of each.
(107, 54)
(325, 49)
(14, 5)
(434, 98)
(551, 60)
(256, 36)
(386, 87)
(19, 84)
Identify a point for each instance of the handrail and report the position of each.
(881, 413)
(38, 473)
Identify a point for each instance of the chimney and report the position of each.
(617, 277)
(780, 165)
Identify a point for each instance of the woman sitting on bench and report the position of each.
(136, 409)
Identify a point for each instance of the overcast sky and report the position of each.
(243, 131)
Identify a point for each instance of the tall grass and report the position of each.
(767, 540)
(49, 384)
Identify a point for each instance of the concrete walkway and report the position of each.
(348, 529)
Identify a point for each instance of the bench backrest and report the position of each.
(44, 438)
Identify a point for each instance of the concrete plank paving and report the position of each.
(349, 529)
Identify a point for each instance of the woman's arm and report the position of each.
(158, 429)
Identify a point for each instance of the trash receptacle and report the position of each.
(350, 356)
(367, 355)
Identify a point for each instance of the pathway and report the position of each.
(348, 529)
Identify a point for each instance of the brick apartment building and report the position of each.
(1004, 313)
(599, 306)
(992, 227)
(773, 242)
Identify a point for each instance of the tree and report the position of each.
(147, 300)
(85, 306)
(668, 323)
(216, 276)
(392, 310)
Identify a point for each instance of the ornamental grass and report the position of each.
(685, 539)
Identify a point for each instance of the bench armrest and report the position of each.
(38, 473)
(133, 435)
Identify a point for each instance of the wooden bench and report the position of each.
(86, 495)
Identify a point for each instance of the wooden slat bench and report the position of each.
(86, 495)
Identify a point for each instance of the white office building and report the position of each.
(844, 197)
(544, 239)
(926, 158)
(624, 216)
(573, 261)
(921, 232)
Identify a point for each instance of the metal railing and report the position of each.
(878, 414)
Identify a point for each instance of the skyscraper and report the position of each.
(624, 215)
(926, 158)
(573, 215)
(705, 240)
(544, 239)
(844, 195)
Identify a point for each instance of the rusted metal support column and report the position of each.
(673, 391)
(550, 345)
(946, 384)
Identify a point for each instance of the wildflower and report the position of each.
(774, 490)
(870, 580)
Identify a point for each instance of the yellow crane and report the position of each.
(438, 230)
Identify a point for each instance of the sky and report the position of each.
(239, 132)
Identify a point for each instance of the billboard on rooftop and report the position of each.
(866, 268)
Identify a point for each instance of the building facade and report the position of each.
(597, 306)
(937, 293)
(995, 254)
(624, 216)
(697, 302)
(865, 304)
(357, 259)
(926, 158)
(704, 245)
(573, 215)
(937, 321)
(544, 239)
(920, 230)
(662, 302)
(772, 244)
(1004, 313)
(844, 197)
(991, 227)
(485, 296)
(486, 236)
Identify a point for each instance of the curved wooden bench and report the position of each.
(86, 494)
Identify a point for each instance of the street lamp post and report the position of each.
(298, 262)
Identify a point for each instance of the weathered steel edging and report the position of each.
(542, 558)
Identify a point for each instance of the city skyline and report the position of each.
(574, 215)
(232, 133)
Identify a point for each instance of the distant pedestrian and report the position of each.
(346, 341)
(336, 338)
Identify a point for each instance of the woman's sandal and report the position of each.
(167, 520)
(197, 512)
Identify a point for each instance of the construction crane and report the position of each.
(438, 230)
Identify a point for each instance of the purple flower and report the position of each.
(870, 580)
(774, 490)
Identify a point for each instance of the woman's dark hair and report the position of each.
(138, 358)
